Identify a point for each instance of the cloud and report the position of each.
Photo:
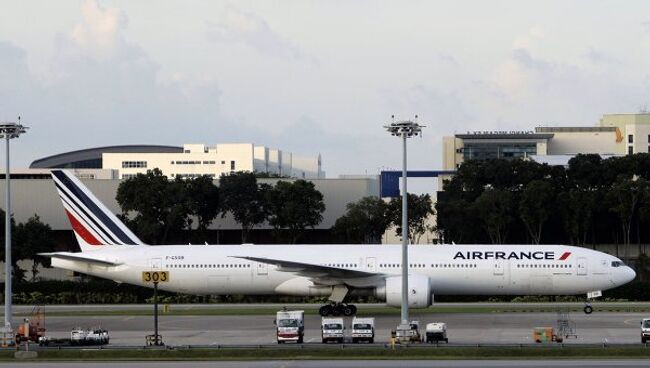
(102, 89)
(646, 25)
(599, 57)
(240, 27)
(100, 30)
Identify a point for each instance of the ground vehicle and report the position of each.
(290, 326)
(363, 329)
(90, 336)
(645, 330)
(409, 333)
(32, 328)
(436, 331)
(332, 329)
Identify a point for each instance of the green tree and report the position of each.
(31, 238)
(419, 209)
(536, 206)
(18, 274)
(153, 206)
(241, 196)
(495, 208)
(578, 210)
(625, 198)
(365, 221)
(294, 206)
(203, 201)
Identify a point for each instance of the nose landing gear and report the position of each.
(588, 309)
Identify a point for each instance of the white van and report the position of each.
(332, 330)
(363, 329)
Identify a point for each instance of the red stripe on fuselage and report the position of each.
(81, 230)
(565, 256)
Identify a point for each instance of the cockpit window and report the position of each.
(617, 264)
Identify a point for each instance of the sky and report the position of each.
(313, 76)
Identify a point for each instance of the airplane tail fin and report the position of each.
(94, 225)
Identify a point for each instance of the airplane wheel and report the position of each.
(354, 308)
(325, 310)
(347, 311)
(588, 309)
(337, 310)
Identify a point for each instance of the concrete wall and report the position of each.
(571, 143)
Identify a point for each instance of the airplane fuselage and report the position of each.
(451, 269)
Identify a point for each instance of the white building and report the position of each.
(198, 159)
(614, 135)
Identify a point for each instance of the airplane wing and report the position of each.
(79, 258)
(316, 272)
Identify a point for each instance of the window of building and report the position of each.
(648, 138)
(128, 176)
(134, 164)
(223, 162)
(232, 165)
(485, 151)
(630, 138)
(630, 150)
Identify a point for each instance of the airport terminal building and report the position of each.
(614, 135)
(189, 161)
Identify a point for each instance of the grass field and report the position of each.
(632, 352)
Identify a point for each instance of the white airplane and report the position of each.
(110, 250)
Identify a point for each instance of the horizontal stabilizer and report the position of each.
(79, 258)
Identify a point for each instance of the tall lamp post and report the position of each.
(9, 130)
(404, 129)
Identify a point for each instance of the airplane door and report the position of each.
(582, 266)
(498, 268)
(371, 264)
(262, 269)
(155, 263)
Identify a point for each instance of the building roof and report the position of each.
(504, 135)
(92, 157)
(574, 129)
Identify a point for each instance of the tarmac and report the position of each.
(463, 328)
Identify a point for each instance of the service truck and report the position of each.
(436, 331)
(363, 329)
(89, 336)
(645, 330)
(332, 330)
(290, 326)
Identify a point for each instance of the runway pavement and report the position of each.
(463, 328)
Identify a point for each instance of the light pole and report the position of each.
(8, 131)
(404, 129)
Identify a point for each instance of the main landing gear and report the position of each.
(588, 309)
(337, 309)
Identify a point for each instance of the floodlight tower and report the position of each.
(9, 130)
(404, 129)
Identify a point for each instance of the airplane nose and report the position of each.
(629, 274)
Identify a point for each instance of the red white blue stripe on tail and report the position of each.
(94, 225)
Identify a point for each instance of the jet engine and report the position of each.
(420, 293)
